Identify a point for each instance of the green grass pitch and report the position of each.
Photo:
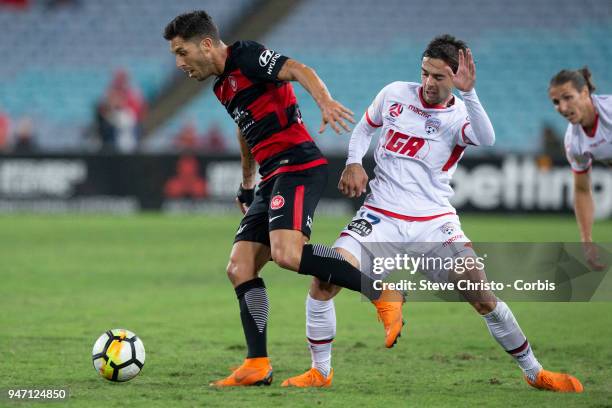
(66, 279)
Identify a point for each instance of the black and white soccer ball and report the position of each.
(118, 355)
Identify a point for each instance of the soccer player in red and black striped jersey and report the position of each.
(253, 83)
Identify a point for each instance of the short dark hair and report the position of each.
(445, 47)
(579, 78)
(193, 24)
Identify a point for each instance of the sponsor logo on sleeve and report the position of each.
(269, 58)
(265, 57)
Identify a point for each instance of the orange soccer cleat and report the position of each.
(254, 371)
(389, 308)
(551, 381)
(311, 378)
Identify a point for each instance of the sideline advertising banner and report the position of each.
(187, 183)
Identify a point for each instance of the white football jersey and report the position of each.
(581, 148)
(417, 151)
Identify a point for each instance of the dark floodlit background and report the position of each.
(89, 79)
(84, 79)
(62, 58)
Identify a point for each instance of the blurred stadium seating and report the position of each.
(58, 63)
(516, 56)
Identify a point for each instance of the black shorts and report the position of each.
(288, 201)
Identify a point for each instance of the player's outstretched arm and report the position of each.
(583, 204)
(585, 209)
(246, 190)
(332, 111)
(480, 131)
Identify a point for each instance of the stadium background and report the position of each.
(96, 119)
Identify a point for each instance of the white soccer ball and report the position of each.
(118, 355)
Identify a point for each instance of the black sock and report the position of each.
(253, 301)
(329, 266)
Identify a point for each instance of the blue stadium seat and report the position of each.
(65, 58)
(57, 63)
(357, 47)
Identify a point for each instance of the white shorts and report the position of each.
(372, 234)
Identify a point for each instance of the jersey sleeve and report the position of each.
(579, 163)
(259, 62)
(603, 104)
(365, 129)
(373, 114)
(463, 138)
(476, 129)
(360, 141)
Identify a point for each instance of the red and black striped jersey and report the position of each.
(266, 110)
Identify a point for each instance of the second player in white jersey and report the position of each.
(588, 138)
(583, 146)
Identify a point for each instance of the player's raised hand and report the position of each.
(465, 77)
(335, 114)
(353, 180)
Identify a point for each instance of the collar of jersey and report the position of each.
(226, 71)
(593, 131)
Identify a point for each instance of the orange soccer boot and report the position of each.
(389, 309)
(551, 381)
(311, 378)
(254, 371)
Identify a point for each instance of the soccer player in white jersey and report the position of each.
(588, 137)
(424, 129)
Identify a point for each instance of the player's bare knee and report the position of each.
(287, 257)
(483, 307)
(323, 290)
(239, 272)
(231, 270)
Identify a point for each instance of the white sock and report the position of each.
(320, 332)
(504, 328)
